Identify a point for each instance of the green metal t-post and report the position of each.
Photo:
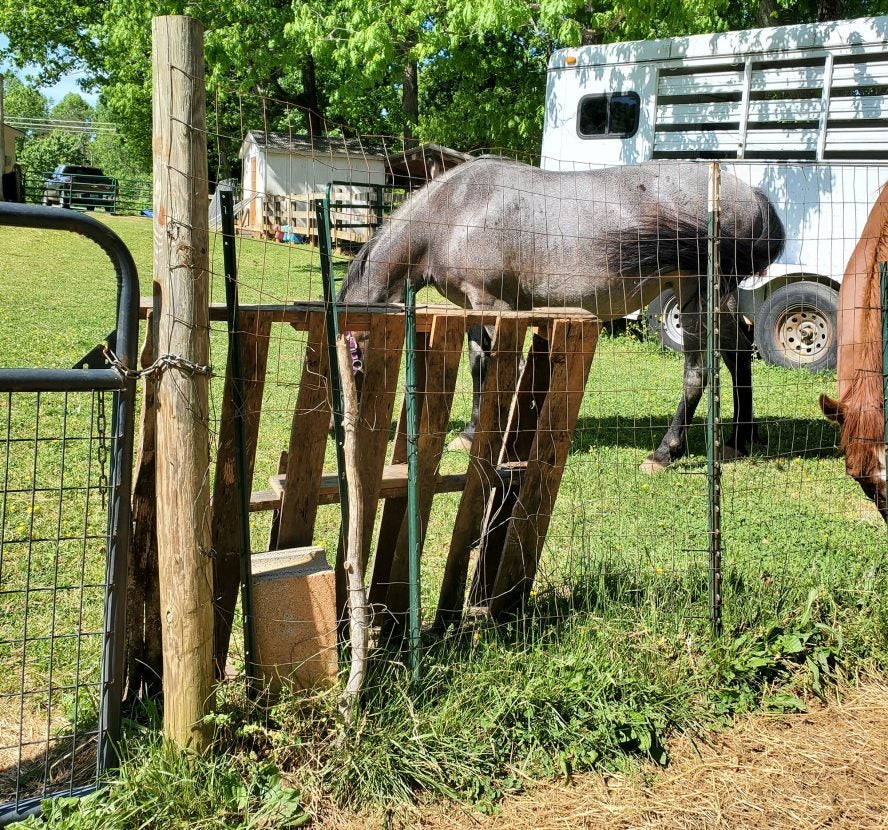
(413, 529)
(229, 251)
(332, 324)
(713, 416)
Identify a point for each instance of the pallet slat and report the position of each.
(572, 347)
(308, 442)
(481, 478)
(393, 484)
(441, 364)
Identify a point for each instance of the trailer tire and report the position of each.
(796, 327)
(664, 320)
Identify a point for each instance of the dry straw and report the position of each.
(825, 768)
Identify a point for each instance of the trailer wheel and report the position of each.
(796, 327)
(664, 320)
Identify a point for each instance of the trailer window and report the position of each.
(613, 115)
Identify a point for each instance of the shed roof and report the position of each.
(285, 142)
(408, 168)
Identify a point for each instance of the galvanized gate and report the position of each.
(66, 438)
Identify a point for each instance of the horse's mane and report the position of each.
(859, 372)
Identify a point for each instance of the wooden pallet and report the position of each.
(513, 469)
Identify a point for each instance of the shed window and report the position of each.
(609, 115)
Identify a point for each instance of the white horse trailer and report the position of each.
(799, 111)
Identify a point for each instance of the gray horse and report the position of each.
(497, 234)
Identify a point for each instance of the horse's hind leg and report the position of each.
(736, 350)
(674, 443)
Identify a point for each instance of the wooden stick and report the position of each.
(358, 610)
(181, 290)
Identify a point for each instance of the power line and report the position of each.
(46, 125)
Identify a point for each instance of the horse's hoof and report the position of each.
(462, 442)
(651, 467)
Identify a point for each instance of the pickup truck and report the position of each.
(73, 186)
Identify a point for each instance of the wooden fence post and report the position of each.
(181, 292)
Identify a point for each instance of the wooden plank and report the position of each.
(392, 484)
(357, 318)
(395, 507)
(276, 506)
(308, 443)
(517, 443)
(572, 348)
(262, 500)
(227, 532)
(441, 365)
(496, 399)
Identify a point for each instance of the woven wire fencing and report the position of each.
(617, 542)
(52, 571)
(65, 437)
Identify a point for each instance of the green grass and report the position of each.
(614, 652)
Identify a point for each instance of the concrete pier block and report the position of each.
(294, 605)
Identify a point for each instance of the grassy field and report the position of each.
(614, 652)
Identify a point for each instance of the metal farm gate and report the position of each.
(66, 438)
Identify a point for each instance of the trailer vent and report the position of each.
(816, 107)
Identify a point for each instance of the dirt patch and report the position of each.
(824, 768)
(47, 761)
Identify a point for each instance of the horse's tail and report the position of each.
(660, 242)
(664, 241)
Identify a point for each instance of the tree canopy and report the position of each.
(465, 73)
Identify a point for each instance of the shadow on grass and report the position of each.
(776, 438)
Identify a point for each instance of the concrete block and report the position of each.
(294, 606)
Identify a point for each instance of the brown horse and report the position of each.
(859, 410)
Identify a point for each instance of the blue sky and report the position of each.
(57, 92)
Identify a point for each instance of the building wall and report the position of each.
(288, 173)
(291, 174)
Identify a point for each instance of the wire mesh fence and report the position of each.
(65, 467)
(565, 513)
(52, 571)
(124, 197)
(620, 542)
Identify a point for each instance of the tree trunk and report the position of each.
(410, 102)
(768, 13)
(829, 10)
(314, 110)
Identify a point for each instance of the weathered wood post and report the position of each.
(181, 297)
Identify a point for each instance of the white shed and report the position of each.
(284, 173)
